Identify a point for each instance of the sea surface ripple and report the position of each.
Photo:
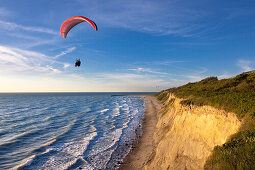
(67, 130)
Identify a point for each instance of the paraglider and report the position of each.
(78, 63)
(73, 21)
(70, 23)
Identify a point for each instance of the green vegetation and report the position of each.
(162, 96)
(235, 95)
(238, 153)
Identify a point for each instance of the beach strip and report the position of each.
(143, 148)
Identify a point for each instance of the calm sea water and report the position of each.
(67, 130)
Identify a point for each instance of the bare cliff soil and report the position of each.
(207, 125)
(186, 135)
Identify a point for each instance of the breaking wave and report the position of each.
(68, 131)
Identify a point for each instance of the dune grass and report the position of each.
(235, 95)
(237, 153)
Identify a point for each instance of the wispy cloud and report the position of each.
(17, 60)
(4, 12)
(131, 82)
(11, 26)
(195, 78)
(148, 70)
(69, 50)
(26, 41)
(175, 79)
(66, 65)
(245, 65)
(201, 71)
(168, 17)
(164, 62)
(120, 76)
(225, 76)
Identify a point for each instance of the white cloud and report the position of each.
(4, 12)
(168, 62)
(225, 76)
(148, 70)
(11, 26)
(195, 78)
(66, 65)
(201, 71)
(131, 82)
(26, 41)
(37, 42)
(17, 60)
(168, 17)
(120, 76)
(69, 50)
(74, 82)
(162, 62)
(245, 65)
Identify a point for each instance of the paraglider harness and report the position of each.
(78, 63)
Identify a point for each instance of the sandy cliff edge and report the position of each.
(186, 135)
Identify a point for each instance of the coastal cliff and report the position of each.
(208, 124)
(187, 134)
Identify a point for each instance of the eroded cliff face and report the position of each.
(186, 135)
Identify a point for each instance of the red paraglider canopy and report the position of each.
(71, 22)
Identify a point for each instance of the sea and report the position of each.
(68, 130)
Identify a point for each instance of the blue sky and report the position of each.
(140, 45)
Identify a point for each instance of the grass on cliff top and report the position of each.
(235, 95)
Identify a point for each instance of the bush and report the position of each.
(238, 153)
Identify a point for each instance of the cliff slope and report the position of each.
(209, 124)
(186, 135)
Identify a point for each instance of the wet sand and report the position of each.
(143, 148)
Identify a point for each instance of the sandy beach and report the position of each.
(142, 149)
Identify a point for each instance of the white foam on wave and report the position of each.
(125, 125)
(116, 112)
(93, 128)
(51, 141)
(125, 107)
(104, 110)
(10, 138)
(101, 153)
(133, 112)
(106, 116)
(49, 117)
(68, 154)
(65, 129)
(25, 162)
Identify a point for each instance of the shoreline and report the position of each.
(143, 147)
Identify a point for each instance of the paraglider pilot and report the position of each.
(78, 63)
